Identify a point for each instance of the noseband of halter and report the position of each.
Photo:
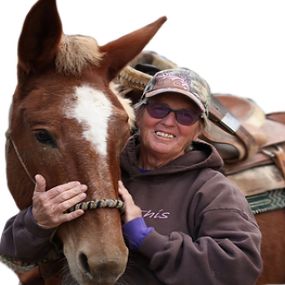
(87, 205)
(94, 204)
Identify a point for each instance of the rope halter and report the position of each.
(87, 205)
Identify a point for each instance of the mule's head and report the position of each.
(67, 123)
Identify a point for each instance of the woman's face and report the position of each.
(165, 138)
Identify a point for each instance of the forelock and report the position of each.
(75, 53)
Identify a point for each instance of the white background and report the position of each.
(237, 46)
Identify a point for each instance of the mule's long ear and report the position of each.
(120, 52)
(40, 36)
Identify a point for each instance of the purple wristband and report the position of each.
(135, 232)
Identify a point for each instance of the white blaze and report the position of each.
(92, 109)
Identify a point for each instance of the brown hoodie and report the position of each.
(204, 232)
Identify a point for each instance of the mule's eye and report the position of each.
(44, 137)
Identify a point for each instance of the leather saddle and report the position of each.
(251, 143)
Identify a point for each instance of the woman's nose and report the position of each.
(169, 119)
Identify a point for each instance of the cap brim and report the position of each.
(179, 91)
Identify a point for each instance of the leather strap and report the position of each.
(279, 158)
(220, 116)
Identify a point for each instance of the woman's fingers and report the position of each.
(68, 192)
(59, 192)
(132, 211)
(67, 217)
(40, 183)
(49, 207)
(126, 196)
(68, 203)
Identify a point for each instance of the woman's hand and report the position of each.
(49, 207)
(135, 229)
(132, 211)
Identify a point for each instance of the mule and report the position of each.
(67, 122)
(252, 145)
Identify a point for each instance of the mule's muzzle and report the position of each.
(102, 271)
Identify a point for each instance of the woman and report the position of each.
(184, 222)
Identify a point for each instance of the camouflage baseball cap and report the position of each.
(183, 81)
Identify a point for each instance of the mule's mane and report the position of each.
(76, 52)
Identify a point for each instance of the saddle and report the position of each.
(250, 142)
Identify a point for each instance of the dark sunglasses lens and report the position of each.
(186, 117)
(157, 111)
(183, 116)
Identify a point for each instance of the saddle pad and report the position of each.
(267, 201)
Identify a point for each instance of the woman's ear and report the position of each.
(199, 127)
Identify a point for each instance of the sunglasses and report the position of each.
(184, 117)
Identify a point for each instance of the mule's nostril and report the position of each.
(84, 264)
(103, 270)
